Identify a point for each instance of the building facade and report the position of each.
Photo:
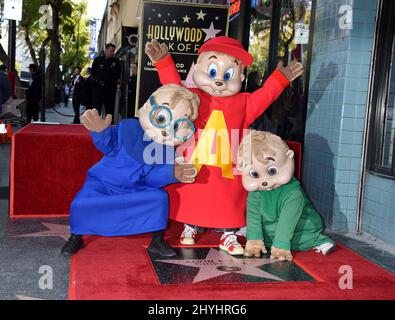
(348, 157)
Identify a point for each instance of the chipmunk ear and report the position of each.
(290, 154)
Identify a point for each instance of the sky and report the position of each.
(96, 8)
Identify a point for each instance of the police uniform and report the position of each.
(78, 96)
(105, 73)
(33, 97)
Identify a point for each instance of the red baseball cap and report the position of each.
(228, 46)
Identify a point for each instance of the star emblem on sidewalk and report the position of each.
(218, 263)
(55, 230)
(211, 32)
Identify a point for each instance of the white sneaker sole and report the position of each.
(236, 252)
(325, 248)
(188, 241)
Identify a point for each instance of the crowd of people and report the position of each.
(95, 90)
(98, 88)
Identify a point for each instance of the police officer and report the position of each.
(33, 94)
(88, 89)
(106, 72)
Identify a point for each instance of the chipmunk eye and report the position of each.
(253, 174)
(212, 70)
(272, 170)
(162, 117)
(228, 75)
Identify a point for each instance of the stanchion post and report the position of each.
(42, 75)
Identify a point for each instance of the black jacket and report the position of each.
(79, 88)
(33, 93)
(106, 70)
(88, 90)
(5, 92)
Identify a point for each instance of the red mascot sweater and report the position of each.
(217, 199)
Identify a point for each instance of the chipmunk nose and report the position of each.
(264, 184)
(164, 133)
(219, 83)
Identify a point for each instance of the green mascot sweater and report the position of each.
(284, 218)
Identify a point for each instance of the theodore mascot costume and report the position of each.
(279, 215)
(122, 193)
(217, 198)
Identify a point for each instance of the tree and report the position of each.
(3, 54)
(75, 45)
(54, 35)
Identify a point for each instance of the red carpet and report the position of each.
(119, 268)
(48, 167)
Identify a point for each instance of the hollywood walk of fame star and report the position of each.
(186, 19)
(174, 21)
(218, 263)
(211, 32)
(200, 15)
(55, 230)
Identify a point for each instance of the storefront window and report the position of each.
(280, 31)
(259, 44)
(389, 131)
(381, 155)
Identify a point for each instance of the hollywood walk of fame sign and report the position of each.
(195, 265)
(183, 27)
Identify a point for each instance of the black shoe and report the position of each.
(162, 248)
(73, 245)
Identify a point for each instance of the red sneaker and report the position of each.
(230, 244)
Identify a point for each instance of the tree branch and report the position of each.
(30, 45)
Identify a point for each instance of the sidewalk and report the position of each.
(61, 114)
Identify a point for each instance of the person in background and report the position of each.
(33, 94)
(132, 85)
(88, 90)
(5, 92)
(66, 92)
(58, 91)
(78, 93)
(106, 72)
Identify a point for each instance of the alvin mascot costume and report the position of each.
(217, 198)
(279, 215)
(122, 194)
